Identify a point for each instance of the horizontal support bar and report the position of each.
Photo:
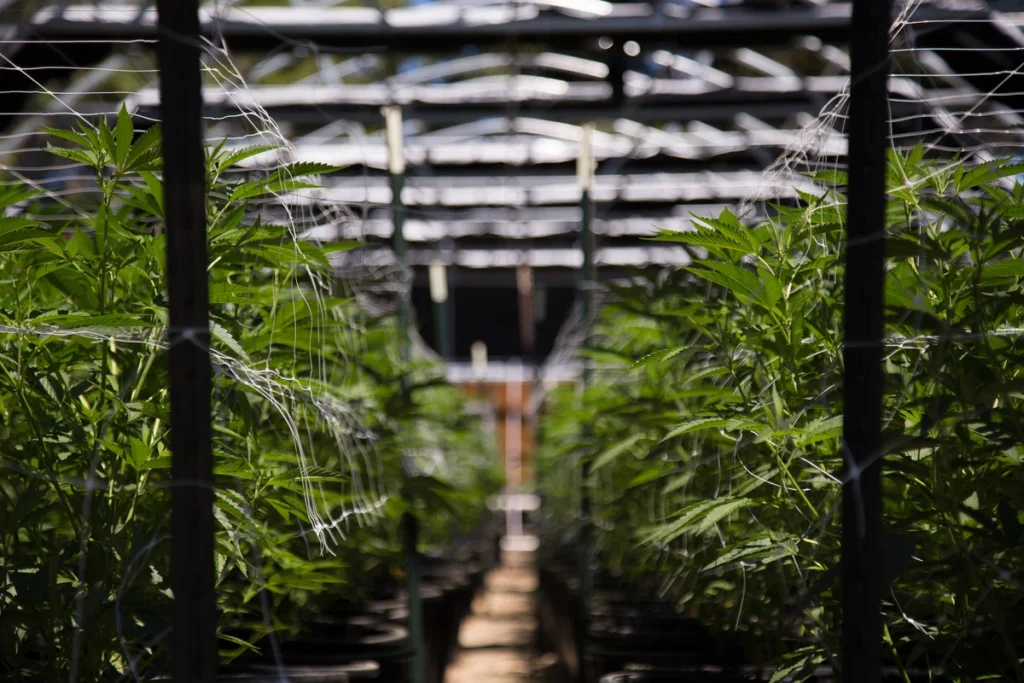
(513, 258)
(440, 28)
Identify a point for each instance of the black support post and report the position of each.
(401, 255)
(439, 294)
(410, 524)
(862, 349)
(192, 561)
(585, 172)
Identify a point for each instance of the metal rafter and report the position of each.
(444, 28)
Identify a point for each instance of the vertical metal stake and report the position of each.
(410, 525)
(398, 244)
(862, 349)
(192, 564)
(585, 172)
(439, 296)
(411, 530)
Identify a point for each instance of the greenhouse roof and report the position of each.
(702, 142)
(714, 96)
(442, 27)
(529, 191)
(501, 171)
(511, 258)
(689, 116)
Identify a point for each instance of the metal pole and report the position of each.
(184, 174)
(527, 325)
(528, 336)
(396, 171)
(439, 296)
(410, 525)
(585, 172)
(862, 349)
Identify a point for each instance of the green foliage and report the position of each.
(716, 455)
(302, 378)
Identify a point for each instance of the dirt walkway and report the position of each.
(496, 640)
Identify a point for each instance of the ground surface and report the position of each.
(496, 642)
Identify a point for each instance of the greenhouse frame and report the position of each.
(601, 342)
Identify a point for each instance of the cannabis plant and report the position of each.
(715, 447)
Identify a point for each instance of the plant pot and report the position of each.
(394, 610)
(346, 641)
(439, 624)
(558, 616)
(611, 645)
(332, 673)
(826, 674)
(708, 674)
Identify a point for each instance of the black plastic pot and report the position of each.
(678, 675)
(439, 623)
(719, 674)
(268, 672)
(332, 673)
(558, 616)
(347, 641)
(395, 610)
(611, 647)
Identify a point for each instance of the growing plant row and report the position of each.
(318, 448)
(712, 429)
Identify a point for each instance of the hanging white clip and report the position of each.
(585, 164)
(438, 282)
(393, 130)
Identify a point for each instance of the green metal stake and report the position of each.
(585, 172)
(439, 296)
(410, 525)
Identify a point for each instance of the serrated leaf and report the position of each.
(831, 177)
(145, 151)
(763, 547)
(124, 132)
(821, 429)
(699, 424)
(262, 188)
(719, 512)
(237, 156)
(607, 456)
(303, 169)
(69, 136)
(1007, 268)
(694, 519)
(80, 156)
(222, 335)
(139, 452)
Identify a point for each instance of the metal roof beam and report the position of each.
(548, 191)
(512, 258)
(441, 28)
(524, 150)
(665, 100)
(422, 231)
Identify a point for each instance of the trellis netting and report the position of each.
(298, 426)
(726, 390)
